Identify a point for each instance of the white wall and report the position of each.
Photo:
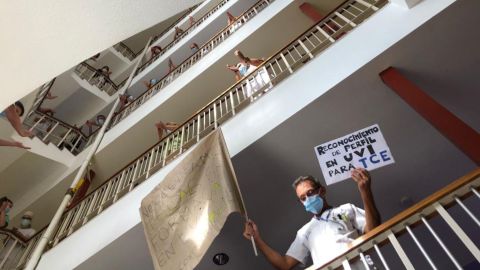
(41, 39)
(383, 30)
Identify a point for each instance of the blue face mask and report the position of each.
(25, 222)
(313, 204)
(243, 69)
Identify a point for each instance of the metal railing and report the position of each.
(14, 253)
(96, 78)
(123, 49)
(368, 250)
(51, 130)
(204, 50)
(224, 107)
(178, 39)
(42, 92)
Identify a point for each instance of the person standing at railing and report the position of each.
(5, 205)
(178, 32)
(98, 122)
(191, 20)
(26, 231)
(12, 114)
(101, 76)
(231, 22)
(329, 231)
(245, 67)
(194, 47)
(125, 100)
(155, 50)
(163, 129)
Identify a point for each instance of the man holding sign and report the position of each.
(329, 231)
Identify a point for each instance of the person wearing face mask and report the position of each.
(5, 205)
(98, 122)
(26, 231)
(329, 231)
(247, 65)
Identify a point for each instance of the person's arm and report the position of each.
(160, 128)
(372, 216)
(255, 61)
(13, 144)
(50, 96)
(3, 218)
(19, 234)
(279, 261)
(14, 119)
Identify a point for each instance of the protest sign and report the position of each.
(187, 210)
(365, 148)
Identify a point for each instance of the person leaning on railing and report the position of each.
(329, 231)
(178, 32)
(12, 114)
(5, 205)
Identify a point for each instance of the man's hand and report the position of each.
(251, 230)
(20, 145)
(25, 133)
(362, 177)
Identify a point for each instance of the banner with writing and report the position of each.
(186, 211)
(365, 148)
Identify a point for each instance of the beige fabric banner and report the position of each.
(186, 211)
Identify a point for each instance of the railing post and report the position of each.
(64, 137)
(8, 252)
(50, 132)
(440, 242)
(458, 231)
(150, 162)
(36, 123)
(400, 252)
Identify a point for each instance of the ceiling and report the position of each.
(425, 160)
(72, 32)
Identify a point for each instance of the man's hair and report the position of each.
(315, 183)
(20, 105)
(3, 199)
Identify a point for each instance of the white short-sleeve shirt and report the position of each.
(327, 236)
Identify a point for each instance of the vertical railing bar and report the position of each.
(419, 245)
(400, 252)
(475, 219)
(380, 255)
(457, 265)
(364, 261)
(458, 231)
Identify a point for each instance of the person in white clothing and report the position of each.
(26, 231)
(329, 231)
(246, 66)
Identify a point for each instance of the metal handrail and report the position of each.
(130, 54)
(52, 130)
(184, 34)
(203, 50)
(95, 78)
(255, 85)
(406, 222)
(15, 251)
(42, 92)
(123, 49)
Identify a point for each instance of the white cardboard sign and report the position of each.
(365, 148)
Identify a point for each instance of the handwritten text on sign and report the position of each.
(365, 148)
